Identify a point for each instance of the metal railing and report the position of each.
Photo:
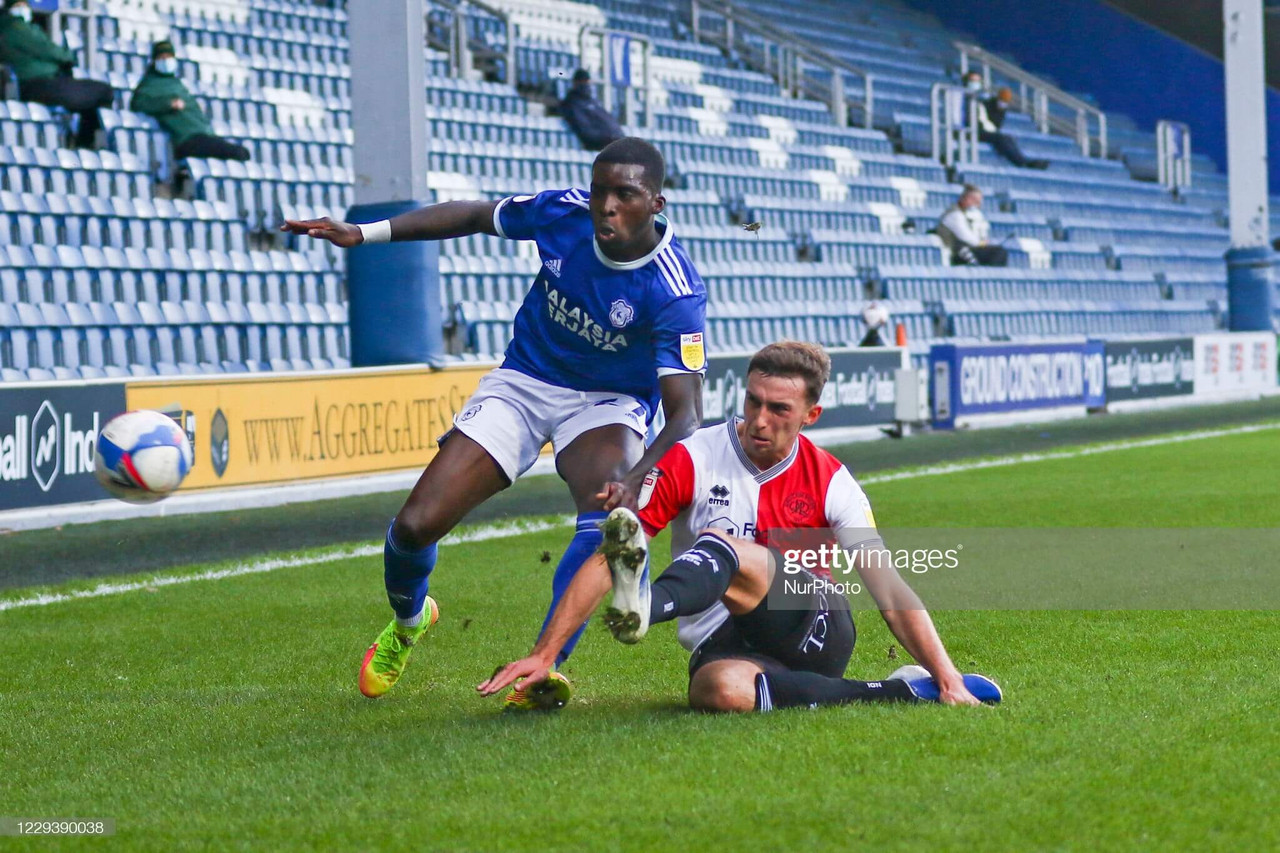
(784, 56)
(1037, 97)
(636, 98)
(953, 120)
(87, 30)
(454, 37)
(1173, 154)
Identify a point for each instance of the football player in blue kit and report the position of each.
(612, 326)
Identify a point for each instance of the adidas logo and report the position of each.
(554, 266)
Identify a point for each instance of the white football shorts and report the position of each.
(512, 415)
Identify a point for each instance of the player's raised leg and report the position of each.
(709, 571)
(597, 456)
(460, 477)
(626, 551)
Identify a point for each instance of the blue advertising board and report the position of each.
(979, 379)
(47, 438)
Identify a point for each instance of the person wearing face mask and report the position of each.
(44, 71)
(162, 95)
(964, 230)
(991, 113)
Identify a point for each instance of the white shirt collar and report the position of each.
(668, 232)
(768, 474)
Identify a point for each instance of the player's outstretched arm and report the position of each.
(433, 222)
(585, 592)
(904, 613)
(682, 408)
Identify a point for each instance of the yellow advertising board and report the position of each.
(269, 428)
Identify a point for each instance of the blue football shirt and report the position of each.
(593, 324)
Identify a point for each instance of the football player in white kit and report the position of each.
(727, 488)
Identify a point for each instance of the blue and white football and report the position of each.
(142, 456)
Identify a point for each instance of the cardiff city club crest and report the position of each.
(621, 313)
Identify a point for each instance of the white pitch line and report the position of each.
(476, 534)
(508, 529)
(1023, 458)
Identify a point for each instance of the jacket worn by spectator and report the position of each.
(44, 70)
(959, 227)
(991, 113)
(28, 50)
(154, 96)
(161, 95)
(595, 126)
(964, 231)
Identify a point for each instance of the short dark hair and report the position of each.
(634, 151)
(581, 75)
(795, 358)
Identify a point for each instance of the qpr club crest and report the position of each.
(799, 506)
(621, 313)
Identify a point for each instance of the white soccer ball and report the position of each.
(875, 315)
(142, 456)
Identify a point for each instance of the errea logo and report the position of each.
(554, 266)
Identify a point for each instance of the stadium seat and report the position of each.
(99, 272)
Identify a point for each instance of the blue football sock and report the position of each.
(405, 574)
(585, 542)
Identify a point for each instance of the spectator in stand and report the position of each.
(991, 113)
(44, 71)
(161, 95)
(964, 230)
(595, 126)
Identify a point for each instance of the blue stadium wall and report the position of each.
(1128, 66)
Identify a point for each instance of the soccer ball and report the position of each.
(142, 456)
(875, 315)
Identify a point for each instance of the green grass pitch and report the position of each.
(224, 714)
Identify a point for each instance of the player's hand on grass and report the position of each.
(341, 234)
(528, 670)
(616, 494)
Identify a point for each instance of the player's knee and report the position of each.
(416, 529)
(721, 699)
(724, 690)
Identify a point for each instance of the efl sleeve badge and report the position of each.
(692, 353)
